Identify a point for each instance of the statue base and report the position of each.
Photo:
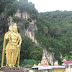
(9, 69)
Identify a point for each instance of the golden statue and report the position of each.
(12, 48)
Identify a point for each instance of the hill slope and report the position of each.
(55, 33)
(49, 30)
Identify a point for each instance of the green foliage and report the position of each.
(26, 23)
(29, 19)
(36, 53)
(28, 63)
(26, 47)
(23, 5)
(54, 31)
(9, 8)
(29, 50)
(17, 19)
(2, 6)
(33, 16)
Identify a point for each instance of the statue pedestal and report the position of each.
(13, 69)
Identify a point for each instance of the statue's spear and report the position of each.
(4, 44)
(18, 58)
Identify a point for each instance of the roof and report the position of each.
(47, 67)
(54, 67)
(66, 62)
(44, 67)
(36, 67)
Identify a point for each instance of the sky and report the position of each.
(52, 5)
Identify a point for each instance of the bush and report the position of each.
(17, 19)
(26, 23)
(29, 19)
(28, 63)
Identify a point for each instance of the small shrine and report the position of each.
(44, 61)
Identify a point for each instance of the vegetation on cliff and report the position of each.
(54, 31)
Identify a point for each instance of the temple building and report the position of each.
(44, 61)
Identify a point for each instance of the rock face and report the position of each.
(30, 31)
(49, 56)
(24, 14)
(31, 26)
(44, 61)
(18, 13)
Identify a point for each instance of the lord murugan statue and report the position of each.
(12, 47)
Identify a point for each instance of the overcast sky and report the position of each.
(52, 5)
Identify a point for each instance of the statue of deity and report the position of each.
(12, 48)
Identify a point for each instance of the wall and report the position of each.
(59, 70)
(67, 70)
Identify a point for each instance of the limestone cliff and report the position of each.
(24, 14)
(49, 56)
(29, 31)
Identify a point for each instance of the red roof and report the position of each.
(67, 62)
